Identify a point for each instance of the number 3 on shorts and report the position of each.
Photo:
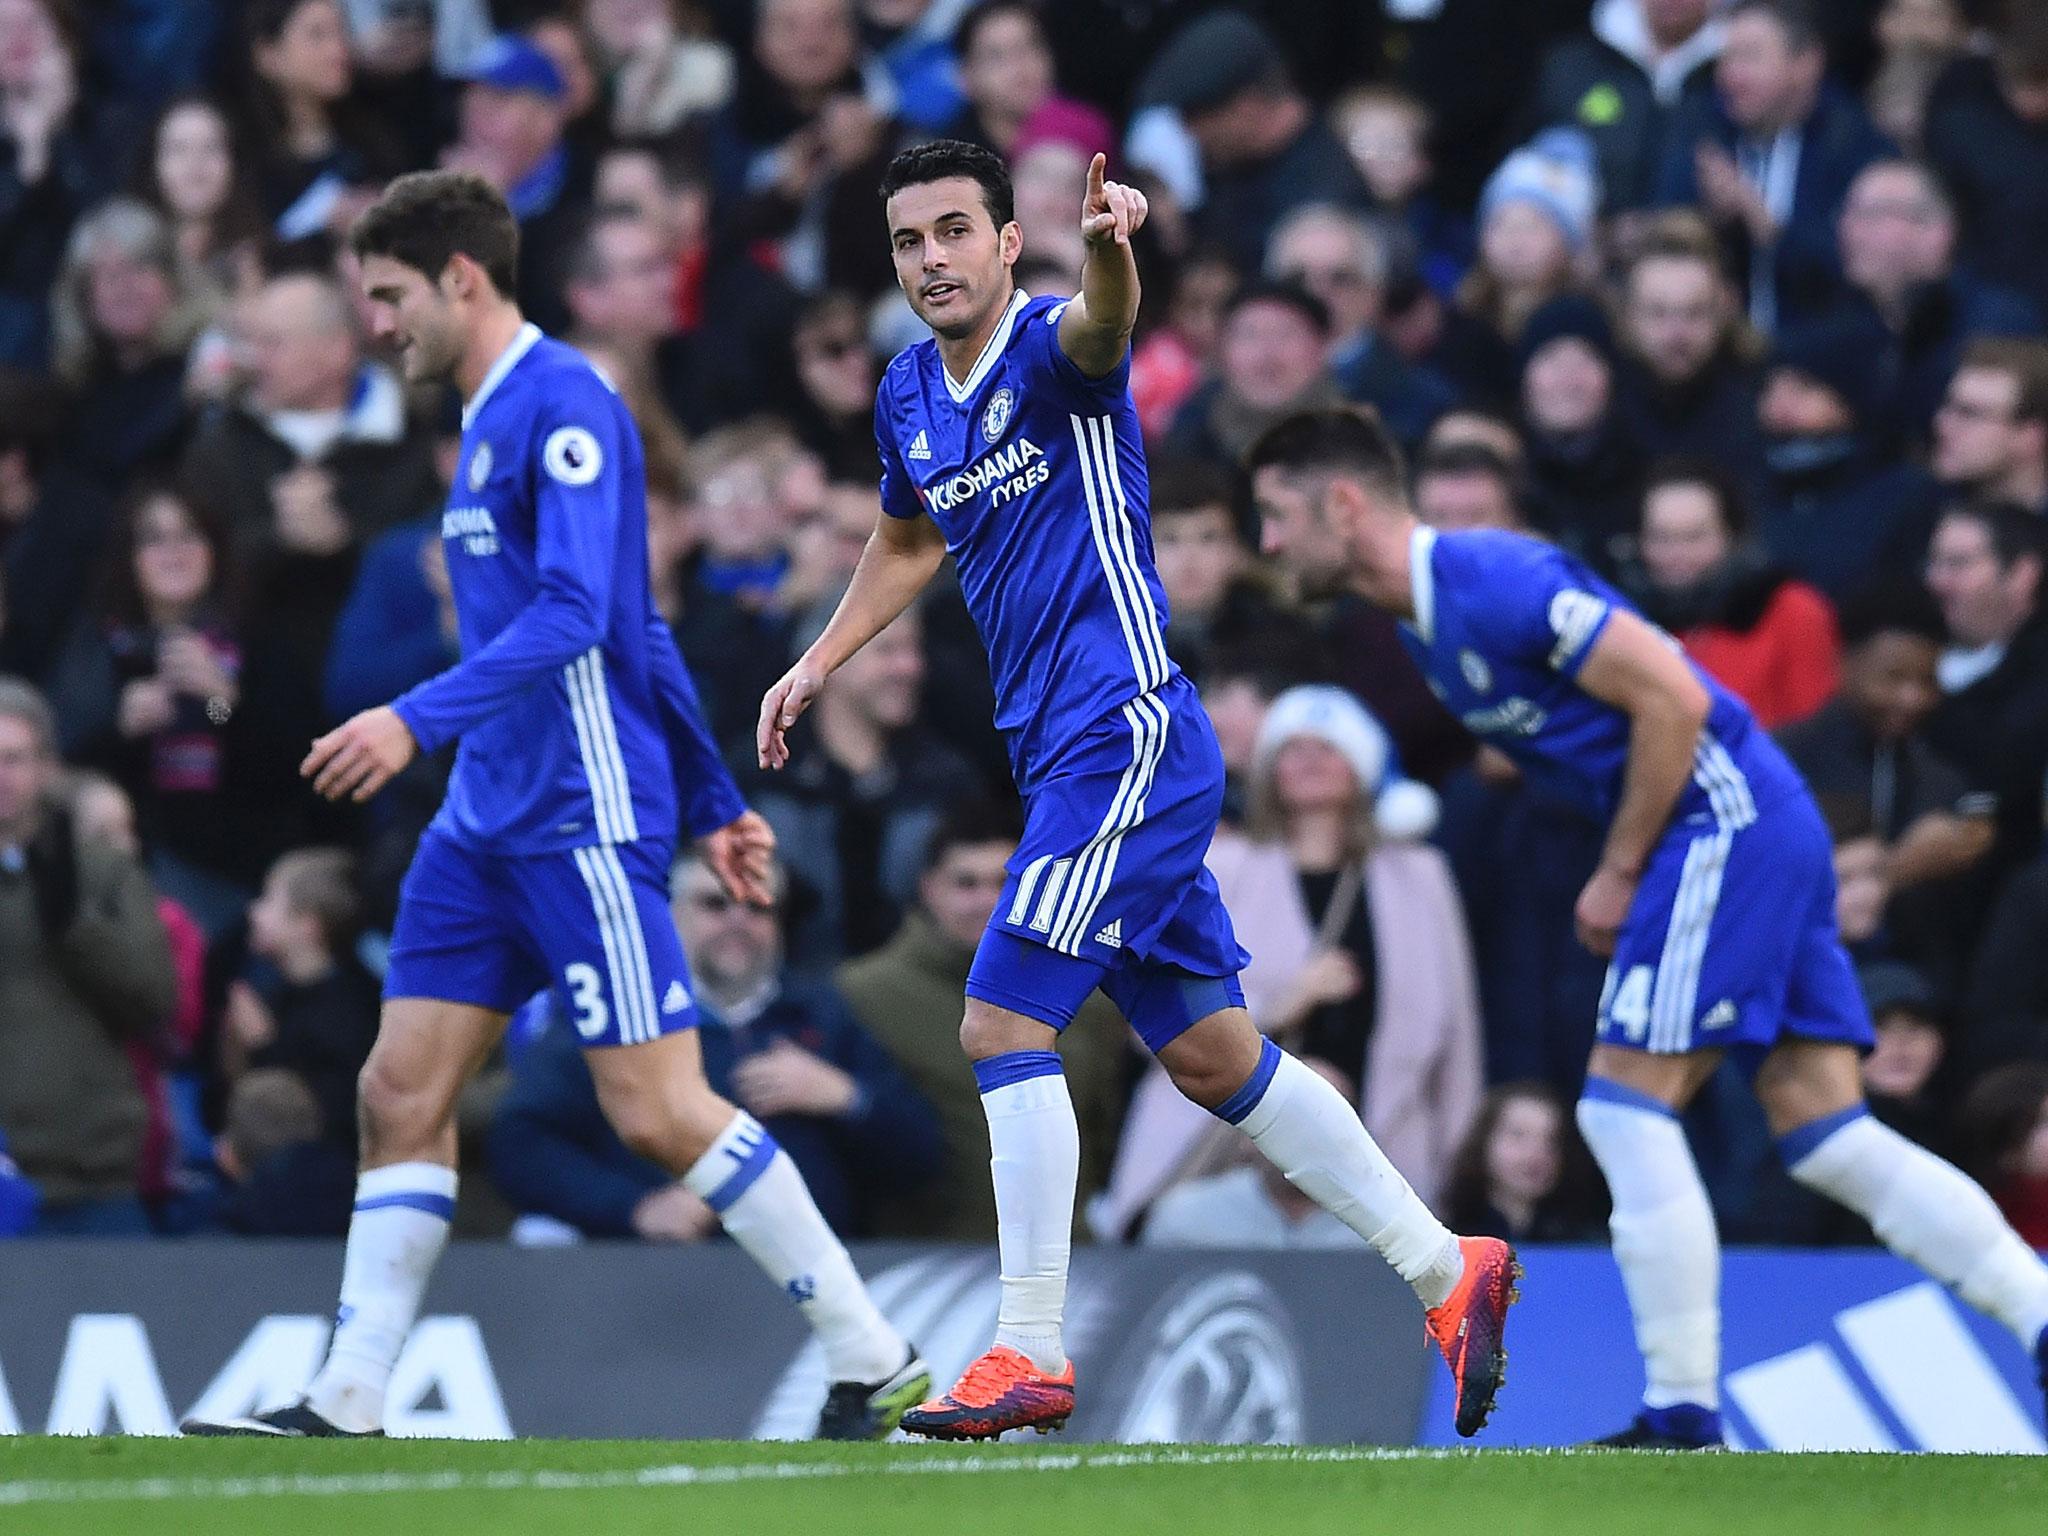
(1627, 1004)
(586, 996)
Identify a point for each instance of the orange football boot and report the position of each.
(1001, 1391)
(1470, 1327)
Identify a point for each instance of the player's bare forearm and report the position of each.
(1096, 328)
(1636, 669)
(902, 556)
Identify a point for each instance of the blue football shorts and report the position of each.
(1731, 943)
(592, 924)
(1108, 888)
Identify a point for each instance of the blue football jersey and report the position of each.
(1035, 473)
(1502, 624)
(577, 720)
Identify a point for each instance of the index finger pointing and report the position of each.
(1096, 167)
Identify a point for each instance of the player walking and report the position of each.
(1011, 439)
(1715, 896)
(548, 863)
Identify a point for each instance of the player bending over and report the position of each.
(584, 755)
(1715, 896)
(1012, 440)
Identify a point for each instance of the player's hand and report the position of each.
(360, 756)
(742, 854)
(781, 708)
(1603, 907)
(786, 1079)
(1111, 212)
(671, 1214)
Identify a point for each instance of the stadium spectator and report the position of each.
(1467, 485)
(1583, 469)
(907, 997)
(2006, 1001)
(1217, 596)
(1263, 151)
(306, 1003)
(1536, 220)
(865, 790)
(191, 174)
(1173, 357)
(317, 454)
(54, 521)
(663, 63)
(1866, 756)
(317, 151)
(1918, 40)
(88, 970)
(285, 1174)
(791, 1054)
(1984, 135)
(1338, 256)
(1832, 504)
(1387, 133)
(1985, 568)
(57, 162)
(1690, 387)
(1522, 1172)
(1006, 72)
(1624, 81)
(835, 411)
(1991, 432)
(1772, 156)
(913, 43)
(1250, 1206)
(1766, 637)
(1049, 176)
(2005, 1122)
(619, 285)
(1270, 363)
(1359, 957)
(121, 318)
(1898, 243)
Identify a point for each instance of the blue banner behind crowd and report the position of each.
(1821, 1351)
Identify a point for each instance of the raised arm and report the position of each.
(902, 556)
(1633, 668)
(1095, 329)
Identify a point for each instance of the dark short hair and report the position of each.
(2014, 532)
(1889, 609)
(2024, 359)
(1178, 483)
(943, 159)
(1289, 295)
(322, 883)
(427, 218)
(971, 824)
(1338, 440)
(1460, 459)
(1799, 20)
(586, 263)
(968, 32)
(1689, 469)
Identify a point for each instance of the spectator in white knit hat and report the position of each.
(1359, 951)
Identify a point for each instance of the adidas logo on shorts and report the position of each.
(1113, 935)
(675, 1000)
(921, 448)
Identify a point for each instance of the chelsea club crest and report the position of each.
(997, 416)
(480, 466)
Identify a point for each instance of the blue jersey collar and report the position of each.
(1000, 339)
(1422, 582)
(507, 361)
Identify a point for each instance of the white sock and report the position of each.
(1925, 1210)
(1664, 1241)
(395, 1237)
(1308, 1131)
(1035, 1161)
(750, 1182)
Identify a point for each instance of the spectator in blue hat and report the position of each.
(1536, 227)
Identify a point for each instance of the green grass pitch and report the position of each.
(112, 1487)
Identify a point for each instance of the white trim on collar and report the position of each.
(1422, 581)
(997, 341)
(507, 361)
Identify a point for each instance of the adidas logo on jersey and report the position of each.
(675, 1000)
(921, 448)
(1113, 935)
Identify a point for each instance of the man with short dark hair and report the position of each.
(1270, 360)
(1467, 486)
(583, 757)
(1985, 567)
(1991, 432)
(1005, 69)
(88, 971)
(1772, 156)
(1714, 896)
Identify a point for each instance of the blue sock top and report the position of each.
(1015, 1067)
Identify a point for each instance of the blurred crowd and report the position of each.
(1740, 300)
